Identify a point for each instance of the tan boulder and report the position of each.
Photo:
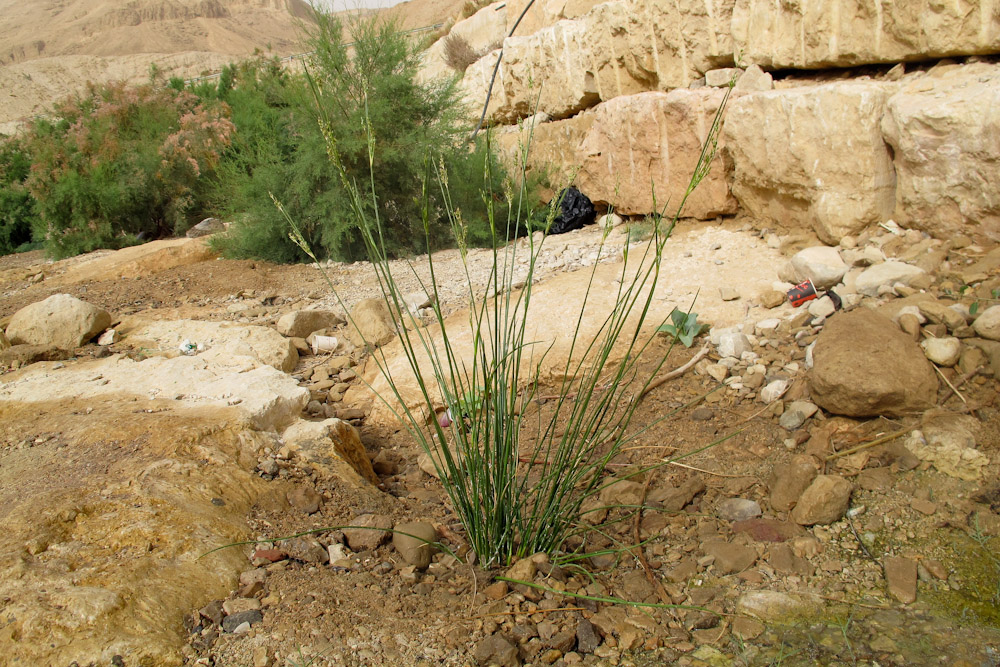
(617, 48)
(136, 261)
(943, 131)
(625, 151)
(813, 34)
(333, 447)
(371, 323)
(301, 323)
(61, 320)
(224, 343)
(813, 157)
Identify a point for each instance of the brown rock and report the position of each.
(865, 366)
(901, 578)
(368, 531)
(414, 542)
(730, 557)
(768, 530)
(823, 502)
(787, 482)
(495, 650)
(771, 298)
(784, 560)
(674, 499)
(305, 498)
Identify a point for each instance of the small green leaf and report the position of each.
(974, 308)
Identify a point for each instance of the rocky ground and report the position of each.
(851, 517)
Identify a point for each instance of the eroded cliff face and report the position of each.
(89, 27)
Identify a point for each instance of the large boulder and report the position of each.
(843, 33)
(944, 133)
(333, 447)
(228, 344)
(813, 157)
(863, 366)
(371, 323)
(301, 323)
(633, 148)
(617, 48)
(61, 320)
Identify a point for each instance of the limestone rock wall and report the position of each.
(812, 34)
(627, 84)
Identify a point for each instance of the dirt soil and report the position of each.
(369, 608)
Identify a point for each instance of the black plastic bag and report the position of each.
(575, 211)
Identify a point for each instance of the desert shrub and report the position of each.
(284, 125)
(459, 54)
(16, 203)
(519, 477)
(117, 163)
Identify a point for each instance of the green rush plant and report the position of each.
(516, 478)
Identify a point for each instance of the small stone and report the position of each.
(251, 617)
(791, 420)
(747, 628)
(738, 509)
(771, 298)
(496, 591)
(935, 568)
(371, 531)
(307, 550)
(729, 293)
(773, 605)
(910, 324)
(733, 344)
(269, 555)
(823, 502)
(522, 570)
(213, 611)
(109, 337)
(901, 578)
(268, 466)
(495, 650)
(923, 506)
(238, 605)
(820, 264)
(773, 391)
(822, 307)
(702, 414)
(886, 274)
(304, 498)
(942, 351)
(587, 639)
(415, 546)
(730, 557)
(987, 325)
(787, 482)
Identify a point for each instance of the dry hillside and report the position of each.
(49, 49)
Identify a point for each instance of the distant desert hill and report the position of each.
(51, 48)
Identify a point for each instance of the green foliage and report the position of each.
(683, 326)
(120, 162)
(285, 124)
(518, 476)
(17, 207)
